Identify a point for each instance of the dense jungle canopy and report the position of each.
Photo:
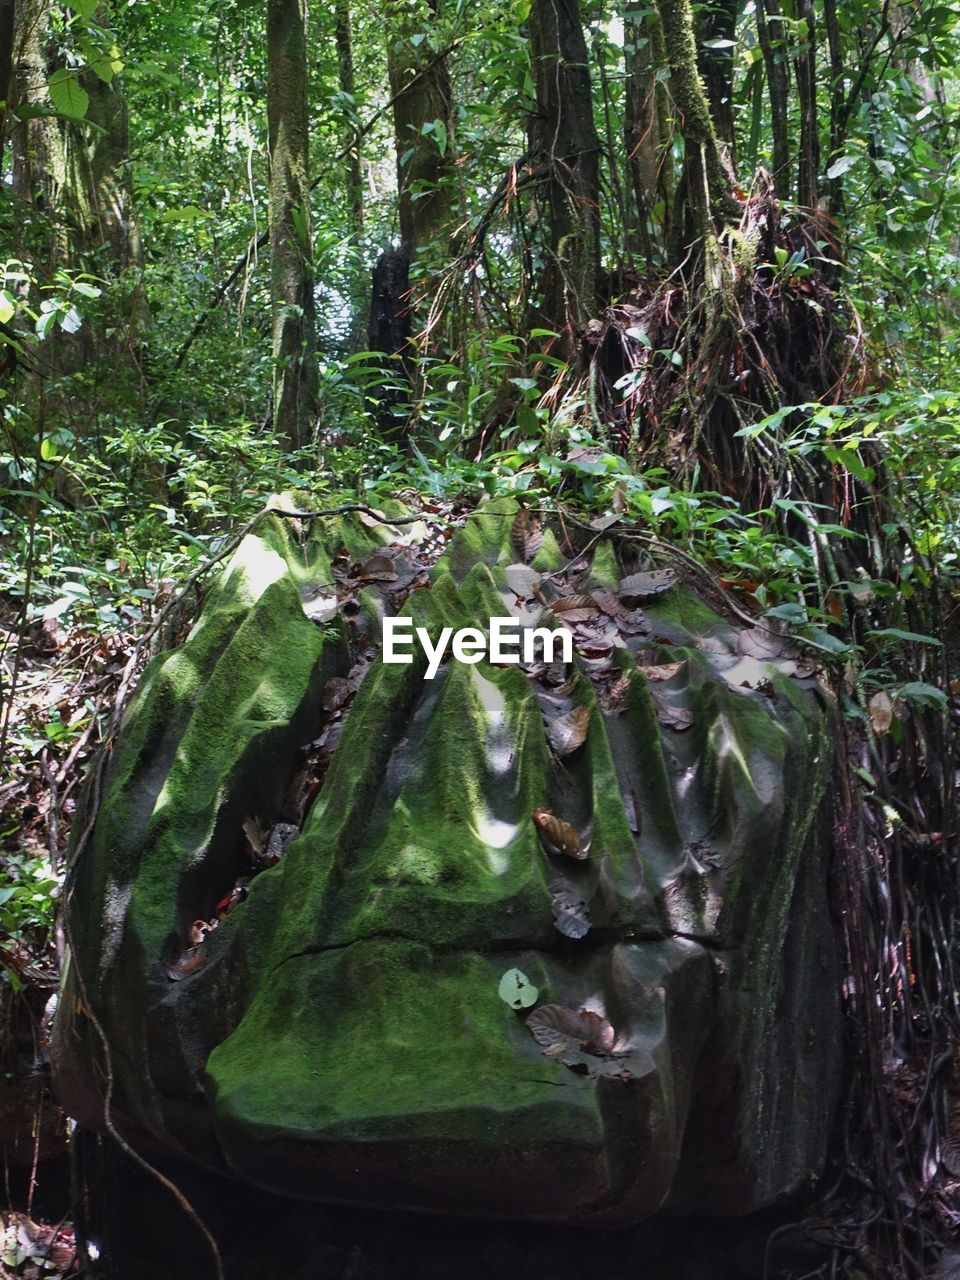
(687, 270)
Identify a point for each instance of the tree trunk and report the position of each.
(348, 87)
(831, 22)
(39, 160)
(420, 83)
(718, 22)
(773, 47)
(564, 138)
(707, 178)
(294, 354)
(806, 70)
(7, 22)
(647, 129)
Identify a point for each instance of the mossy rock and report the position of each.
(344, 1039)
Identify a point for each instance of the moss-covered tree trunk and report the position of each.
(563, 138)
(707, 177)
(423, 126)
(294, 323)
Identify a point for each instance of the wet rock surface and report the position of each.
(319, 1016)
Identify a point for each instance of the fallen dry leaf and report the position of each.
(569, 910)
(558, 1028)
(191, 962)
(648, 584)
(760, 643)
(378, 568)
(526, 534)
(662, 671)
(607, 601)
(672, 717)
(881, 712)
(569, 732)
(336, 692)
(522, 580)
(557, 835)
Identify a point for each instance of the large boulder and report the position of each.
(341, 1034)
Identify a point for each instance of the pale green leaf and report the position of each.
(516, 990)
(67, 94)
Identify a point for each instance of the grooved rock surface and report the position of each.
(339, 1034)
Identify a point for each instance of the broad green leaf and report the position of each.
(85, 8)
(8, 306)
(923, 695)
(71, 320)
(894, 633)
(67, 94)
(516, 990)
(840, 166)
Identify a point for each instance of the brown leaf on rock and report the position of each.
(574, 604)
(187, 964)
(199, 930)
(522, 580)
(635, 623)
(569, 910)
(648, 584)
(336, 692)
(558, 1028)
(613, 696)
(526, 534)
(607, 601)
(557, 835)
(662, 671)
(569, 732)
(378, 568)
(672, 717)
(758, 642)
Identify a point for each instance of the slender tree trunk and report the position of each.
(806, 70)
(7, 24)
(564, 136)
(647, 129)
(707, 177)
(718, 23)
(831, 22)
(348, 86)
(294, 353)
(771, 38)
(420, 83)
